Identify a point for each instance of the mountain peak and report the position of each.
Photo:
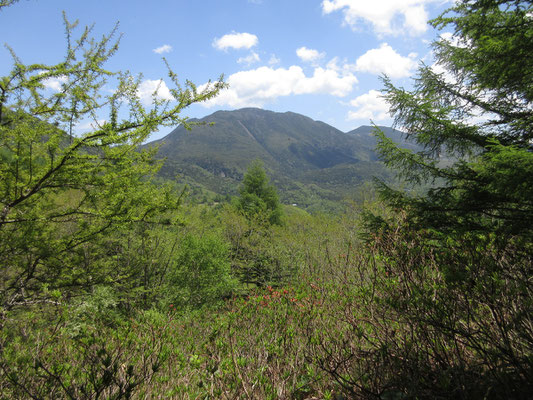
(297, 151)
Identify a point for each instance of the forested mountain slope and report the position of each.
(305, 158)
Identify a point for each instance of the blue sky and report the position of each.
(320, 58)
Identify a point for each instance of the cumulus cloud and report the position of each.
(166, 48)
(345, 67)
(236, 40)
(273, 60)
(385, 60)
(252, 58)
(454, 40)
(446, 36)
(55, 83)
(90, 125)
(309, 55)
(445, 74)
(369, 106)
(440, 69)
(256, 87)
(150, 88)
(387, 17)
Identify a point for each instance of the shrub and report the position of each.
(201, 275)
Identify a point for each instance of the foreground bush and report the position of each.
(201, 274)
(414, 320)
(398, 318)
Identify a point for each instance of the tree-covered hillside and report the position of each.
(309, 161)
(114, 287)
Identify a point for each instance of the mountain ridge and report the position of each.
(303, 157)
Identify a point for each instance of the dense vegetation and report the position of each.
(115, 286)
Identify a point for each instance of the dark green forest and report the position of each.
(116, 283)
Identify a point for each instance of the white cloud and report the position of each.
(445, 74)
(259, 86)
(346, 68)
(150, 88)
(454, 40)
(236, 41)
(273, 60)
(370, 106)
(55, 83)
(252, 58)
(333, 64)
(309, 55)
(91, 125)
(385, 60)
(446, 36)
(166, 48)
(387, 17)
(441, 69)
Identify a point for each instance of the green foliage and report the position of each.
(437, 303)
(453, 263)
(202, 273)
(100, 306)
(258, 198)
(46, 361)
(5, 3)
(384, 320)
(62, 193)
(394, 322)
(475, 123)
(258, 254)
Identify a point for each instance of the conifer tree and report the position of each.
(459, 259)
(258, 198)
(472, 113)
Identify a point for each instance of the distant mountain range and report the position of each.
(308, 161)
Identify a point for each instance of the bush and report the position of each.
(201, 275)
(412, 319)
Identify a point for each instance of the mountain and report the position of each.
(307, 160)
(366, 138)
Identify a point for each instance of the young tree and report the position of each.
(250, 233)
(258, 198)
(62, 192)
(472, 112)
(202, 273)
